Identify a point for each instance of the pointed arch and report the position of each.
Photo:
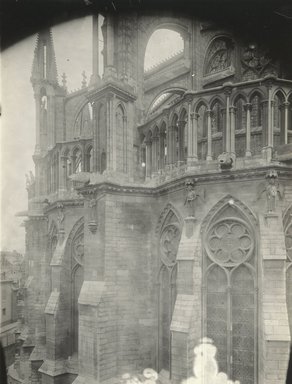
(168, 211)
(121, 138)
(168, 237)
(74, 259)
(218, 55)
(230, 284)
(231, 201)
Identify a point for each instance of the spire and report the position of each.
(44, 66)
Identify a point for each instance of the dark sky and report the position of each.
(265, 21)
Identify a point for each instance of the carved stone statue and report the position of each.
(273, 189)
(193, 193)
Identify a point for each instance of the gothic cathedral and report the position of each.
(160, 211)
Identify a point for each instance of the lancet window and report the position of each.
(168, 246)
(77, 277)
(230, 293)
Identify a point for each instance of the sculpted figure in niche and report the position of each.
(273, 189)
(193, 193)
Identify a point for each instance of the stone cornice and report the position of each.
(179, 183)
(65, 203)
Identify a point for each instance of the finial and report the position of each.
(84, 81)
(64, 80)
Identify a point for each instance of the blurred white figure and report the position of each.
(149, 376)
(206, 367)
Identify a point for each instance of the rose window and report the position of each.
(229, 242)
(288, 240)
(169, 242)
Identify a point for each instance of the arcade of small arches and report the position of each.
(198, 128)
(63, 163)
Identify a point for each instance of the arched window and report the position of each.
(101, 135)
(155, 150)
(240, 114)
(83, 123)
(202, 125)
(121, 140)
(77, 160)
(168, 246)
(77, 277)
(182, 136)
(289, 138)
(240, 126)
(217, 128)
(230, 294)
(162, 146)
(279, 119)
(218, 57)
(89, 159)
(256, 111)
(162, 47)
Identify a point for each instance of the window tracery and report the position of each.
(218, 57)
(168, 247)
(230, 294)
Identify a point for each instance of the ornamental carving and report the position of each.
(193, 193)
(229, 242)
(258, 61)
(169, 242)
(78, 248)
(273, 190)
(218, 57)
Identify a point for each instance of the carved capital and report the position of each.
(248, 107)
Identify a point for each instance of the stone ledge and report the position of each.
(53, 303)
(182, 314)
(91, 293)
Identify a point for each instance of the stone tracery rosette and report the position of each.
(169, 242)
(229, 242)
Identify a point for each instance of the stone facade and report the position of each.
(154, 223)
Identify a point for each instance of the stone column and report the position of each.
(95, 48)
(209, 135)
(248, 107)
(265, 123)
(172, 144)
(285, 133)
(154, 153)
(195, 117)
(272, 122)
(232, 111)
(37, 116)
(190, 133)
(227, 126)
(223, 114)
(63, 173)
(148, 159)
(181, 135)
(161, 150)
